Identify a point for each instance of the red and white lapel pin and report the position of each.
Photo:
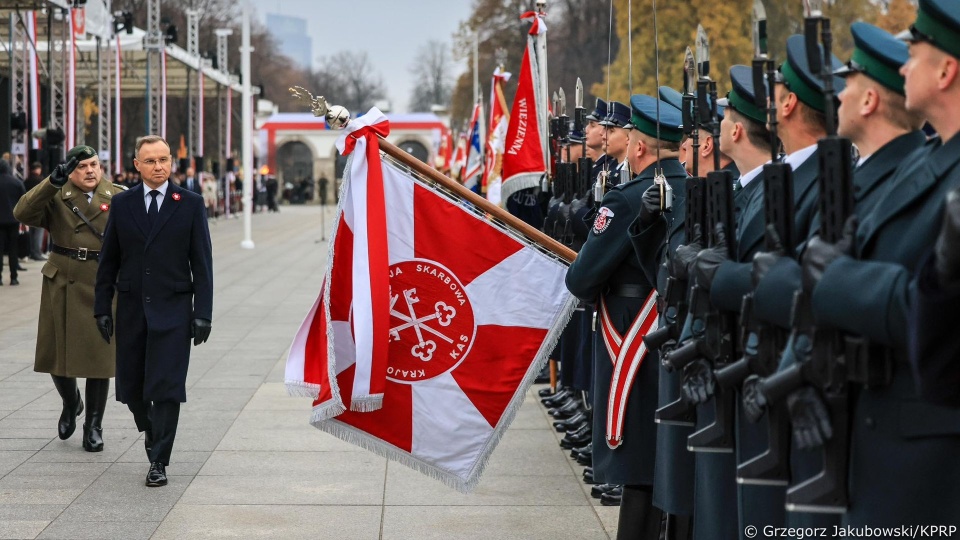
(175, 196)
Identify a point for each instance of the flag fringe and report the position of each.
(369, 403)
(384, 449)
(326, 410)
(302, 389)
(517, 183)
(510, 413)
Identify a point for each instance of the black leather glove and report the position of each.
(650, 206)
(105, 325)
(819, 254)
(697, 382)
(62, 172)
(200, 330)
(948, 243)
(709, 260)
(809, 418)
(685, 256)
(754, 402)
(763, 261)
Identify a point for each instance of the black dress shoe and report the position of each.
(157, 476)
(569, 409)
(545, 392)
(68, 418)
(14, 282)
(577, 449)
(588, 476)
(585, 458)
(575, 420)
(599, 489)
(557, 398)
(612, 497)
(577, 438)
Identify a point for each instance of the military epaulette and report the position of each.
(121, 186)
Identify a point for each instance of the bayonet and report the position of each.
(689, 72)
(556, 104)
(703, 53)
(562, 100)
(759, 30)
(812, 9)
(578, 95)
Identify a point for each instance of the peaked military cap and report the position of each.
(938, 23)
(618, 115)
(599, 112)
(644, 118)
(575, 137)
(742, 95)
(81, 152)
(876, 54)
(795, 73)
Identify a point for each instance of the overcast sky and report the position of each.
(391, 31)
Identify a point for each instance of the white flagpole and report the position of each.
(247, 117)
(544, 89)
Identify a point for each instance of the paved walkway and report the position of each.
(246, 463)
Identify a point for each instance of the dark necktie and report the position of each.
(737, 186)
(154, 209)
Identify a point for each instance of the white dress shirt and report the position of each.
(800, 156)
(160, 198)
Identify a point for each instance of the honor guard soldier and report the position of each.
(609, 274)
(615, 142)
(73, 204)
(903, 465)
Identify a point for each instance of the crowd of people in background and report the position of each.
(19, 243)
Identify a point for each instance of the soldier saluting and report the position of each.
(73, 204)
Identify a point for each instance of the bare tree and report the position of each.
(347, 78)
(433, 84)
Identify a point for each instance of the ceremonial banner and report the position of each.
(523, 159)
(499, 118)
(474, 161)
(473, 311)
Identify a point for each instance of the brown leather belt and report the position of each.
(80, 254)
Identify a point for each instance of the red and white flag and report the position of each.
(468, 328)
(497, 134)
(523, 160)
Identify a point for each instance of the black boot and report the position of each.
(639, 519)
(72, 405)
(97, 390)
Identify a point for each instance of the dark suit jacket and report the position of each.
(197, 188)
(934, 341)
(164, 279)
(11, 190)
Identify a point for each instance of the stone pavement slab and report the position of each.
(246, 463)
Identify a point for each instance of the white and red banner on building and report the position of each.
(431, 323)
(524, 164)
(496, 136)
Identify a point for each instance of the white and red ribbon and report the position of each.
(626, 352)
(371, 264)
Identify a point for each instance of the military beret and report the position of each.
(599, 112)
(618, 115)
(795, 73)
(938, 22)
(742, 95)
(82, 152)
(876, 54)
(644, 118)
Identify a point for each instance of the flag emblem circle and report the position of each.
(432, 324)
(604, 217)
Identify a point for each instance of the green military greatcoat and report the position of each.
(68, 342)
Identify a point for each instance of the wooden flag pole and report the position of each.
(483, 204)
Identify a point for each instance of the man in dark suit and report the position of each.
(192, 182)
(156, 254)
(11, 189)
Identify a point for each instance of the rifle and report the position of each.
(822, 360)
(676, 299)
(762, 342)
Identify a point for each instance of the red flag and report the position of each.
(468, 329)
(523, 159)
(499, 118)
